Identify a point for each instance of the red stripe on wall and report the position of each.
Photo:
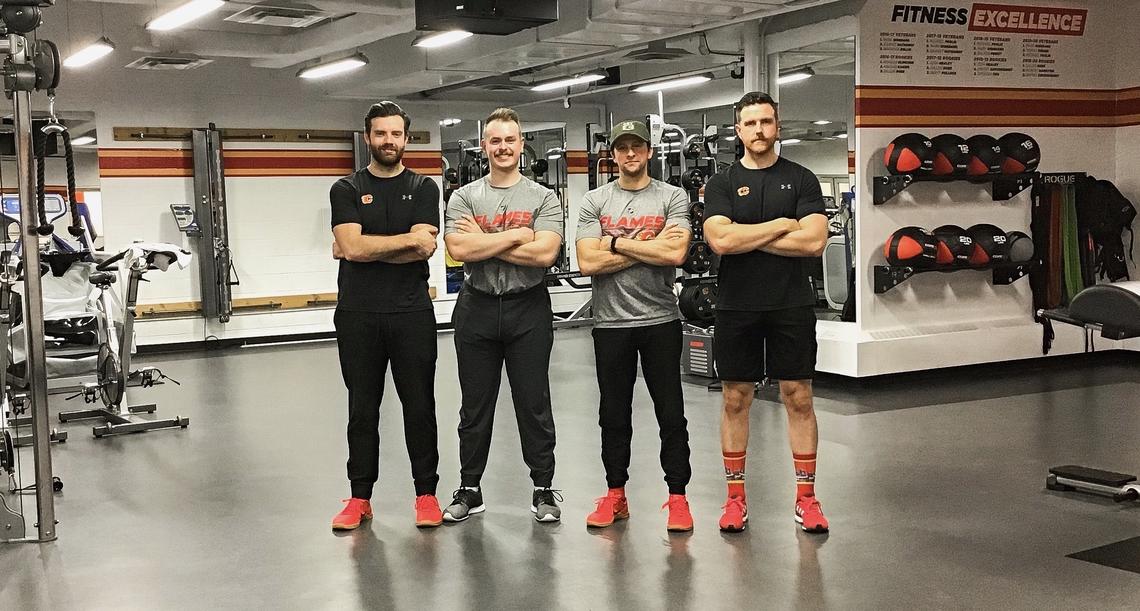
(165, 163)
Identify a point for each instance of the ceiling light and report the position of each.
(672, 84)
(339, 66)
(90, 53)
(184, 14)
(843, 135)
(567, 82)
(795, 76)
(450, 122)
(83, 140)
(441, 39)
(821, 122)
(791, 141)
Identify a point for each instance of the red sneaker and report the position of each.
(611, 507)
(735, 516)
(680, 519)
(428, 514)
(809, 515)
(355, 512)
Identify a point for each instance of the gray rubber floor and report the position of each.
(933, 485)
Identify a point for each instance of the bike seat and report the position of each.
(102, 278)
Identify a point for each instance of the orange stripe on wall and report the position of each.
(885, 106)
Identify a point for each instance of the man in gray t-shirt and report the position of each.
(507, 230)
(632, 234)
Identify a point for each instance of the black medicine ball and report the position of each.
(910, 246)
(951, 155)
(909, 154)
(986, 156)
(1019, 246)
(954, 246)
(989, 244)
(1022, 154)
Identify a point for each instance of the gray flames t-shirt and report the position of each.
(523, 204)
(640, 295)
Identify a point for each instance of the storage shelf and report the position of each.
(888, 277)
(1005, 186)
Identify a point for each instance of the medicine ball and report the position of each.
(910, 246)
(954, 246)
(951, 154)
(909, 154)
(1021, 153)
(1019, 247)
(989, 244)
(985, 155)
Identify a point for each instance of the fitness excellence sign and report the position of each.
(954, 43)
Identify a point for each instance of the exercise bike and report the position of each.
(113, 364)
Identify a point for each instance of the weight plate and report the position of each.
(699, 260)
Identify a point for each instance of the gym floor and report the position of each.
(934, 486)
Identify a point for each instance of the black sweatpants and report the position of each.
(518, 330)
(615, 354)
(367, 341)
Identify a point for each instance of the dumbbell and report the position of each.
(699, 259)
(693, 179)
(698, 302)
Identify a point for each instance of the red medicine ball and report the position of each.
(990, 244)
(910, 246)
(909, 154)
(951, 154)
(954, 246)
(986, 156)
(1022, 154)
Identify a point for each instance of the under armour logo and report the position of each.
(406, 198)
(787, 187)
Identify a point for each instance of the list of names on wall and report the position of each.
(1039, 58)
(896, 52)
(944, 53)
(955, 55)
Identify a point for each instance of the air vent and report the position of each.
(185, 62)
(279, 16)
(657, 52)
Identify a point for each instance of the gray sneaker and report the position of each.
(544, 505)
(464, 502)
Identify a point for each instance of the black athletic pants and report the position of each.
(615, 354)
(367, 341)
(518, 330)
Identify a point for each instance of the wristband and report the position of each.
(613, 244)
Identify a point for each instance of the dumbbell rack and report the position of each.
(1005, 186)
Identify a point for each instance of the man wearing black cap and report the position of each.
(632, 234)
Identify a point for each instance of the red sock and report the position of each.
(734, 473)
(805, 474)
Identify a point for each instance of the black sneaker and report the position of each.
(544, 505)
(464, 502)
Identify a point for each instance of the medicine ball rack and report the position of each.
(888, 277)
(1005, 186)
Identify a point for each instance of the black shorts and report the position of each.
(740, 337)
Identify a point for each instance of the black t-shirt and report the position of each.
(758, 281)
(387, 206)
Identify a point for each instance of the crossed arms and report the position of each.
(668, 248)
(784, 236)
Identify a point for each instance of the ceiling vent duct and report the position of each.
(153, 62)
(657, 52)
(279, 16)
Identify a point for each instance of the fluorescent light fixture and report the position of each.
(83, 140)
(795, 76)
(843, 135)
(791, 141)
(672, 84)
(339, 66)
(184, 14)
(441, 39)
(450, 122)
(90, 53)
(567, 82)
(821, 122)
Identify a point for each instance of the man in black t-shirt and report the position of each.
(385, 219)
(765, 217)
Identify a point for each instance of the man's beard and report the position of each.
(387, 158)
(636, 173)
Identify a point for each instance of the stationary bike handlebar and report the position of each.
(106, 265)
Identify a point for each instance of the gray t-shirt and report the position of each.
(523, 204)
(640, 295)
